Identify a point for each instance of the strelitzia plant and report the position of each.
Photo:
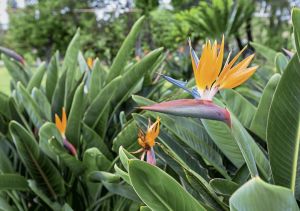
(147, 141)
(61, 125)
(210, 77)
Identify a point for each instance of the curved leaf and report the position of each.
(259, 122)
(38, 165)
(37, 78)
(52, 75)
(260, 196)
(283, 130)
(13, 182)
(124, 52)
(162, 194)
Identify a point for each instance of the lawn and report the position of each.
(4, 80)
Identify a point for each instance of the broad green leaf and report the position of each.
(30, 106)
(36, 189)
(44, 105)
(239, 105)
(52, 75)
(16, 71)
(70, 61)
(97, 80)
(265, 51)
(5, 205)
(4, 105)
(124, 52)
(47, 132)
(284, 128)
(162, 194)
(145, 208)
(38, 165)
(127, 137)
(13, 182)
(281, 62)
(124, 175)
(102, 176)
(75, 116)
(223, 186)
(75, 165)
(37, 78)
(259, 122)
(92, 139)
(260, 196)
(94, 111)
(58, 96)
(94, 160)
(6, 165)
(125, 157)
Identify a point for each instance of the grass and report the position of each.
(4, 81)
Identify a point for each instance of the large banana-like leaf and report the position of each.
(75, 115)
(58, 96)
(260, 196)
(98, 77)
(162, 194)
(38, 165)
(44, 105)
(296, 24)
(37, 78)
(284, 128)
(240, 106)
(16, 71)
(52, 75)
(30, 106)
(259, 122)
(70, 61)
(281, 62)
(13, 182)
(124, 52)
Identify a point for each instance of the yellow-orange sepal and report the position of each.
(61, 124)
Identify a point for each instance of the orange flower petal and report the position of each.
(64, 119)
(58, 124)
(238, 78)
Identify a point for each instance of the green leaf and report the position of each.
(30, 106)
(70, 61)
(15, 70)
(52, 75)
(102, 176)
(125, 157)
(36, 189)
(13, 182)
(124, 175)
(261, 196)
(223, 186)
(76, 166)
(92, 139)
(284, 128)
(127, 137)
(239, 105)
(162, 194)
(44, 105)
(265, 51)
(75, 116)
(259, 122)
(94, 160)
(281, 62)
(37, 78)
(47, 132)
(4, 105)
(94, 111)
(58, 96)
(98, 77)
(38, 165)
(124, 52)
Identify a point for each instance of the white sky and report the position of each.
(3, 14)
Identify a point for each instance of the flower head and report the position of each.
(61, 125)
(90, 62)
(147, 141)
(209, 74)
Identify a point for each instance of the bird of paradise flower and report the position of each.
(210, 77)
(147, 141)
(61, 125)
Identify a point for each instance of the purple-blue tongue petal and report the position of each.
(192, 108)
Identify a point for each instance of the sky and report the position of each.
(3, 14)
